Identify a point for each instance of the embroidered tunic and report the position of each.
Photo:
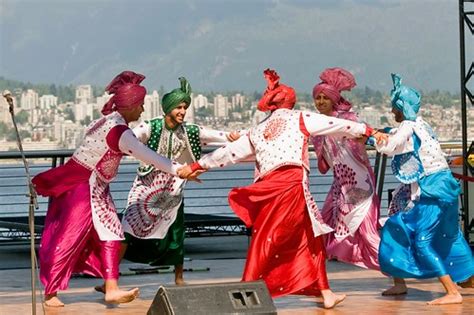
(155, 196)
(351, 207)
(81, 226)
(287, 249)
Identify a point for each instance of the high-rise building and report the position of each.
(84, 94)
(237, 100)
(82, 110)
(190, 113)
(29, 100)
(221, 106)
(152, 106)
(48, 101)
(199, 101)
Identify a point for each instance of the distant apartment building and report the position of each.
(84, 94)
(152, 106)
(199, 101)
(221, 106)
(67, 133)
(82, 110)
(48, 101)
(29, 100)
(5, 116)
(237, 100)
(190, 114)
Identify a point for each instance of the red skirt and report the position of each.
(283, 251)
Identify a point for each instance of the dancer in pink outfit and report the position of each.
(82, 232)
(351, 207)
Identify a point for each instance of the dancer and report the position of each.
(287, 249)
(154, 218)
(352, 206)
(421, 239)
(82, 232)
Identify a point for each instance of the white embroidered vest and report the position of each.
(94, 153)
(278, 141)
(430, 153)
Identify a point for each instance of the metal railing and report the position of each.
(209, 198)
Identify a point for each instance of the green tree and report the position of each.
(69, 114)
(86, 121)
(22, 117)
(95, 114)
(11, 135)
(3, 129)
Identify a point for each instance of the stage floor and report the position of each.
(224, 256)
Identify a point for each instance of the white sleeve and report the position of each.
(320, 125)
(210, 137)
(231, 153)
(400, 141)
(129, 144)
(142, 132)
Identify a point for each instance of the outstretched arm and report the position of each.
(130, 145)
(232, 153)
(399, 141)
(320, 125)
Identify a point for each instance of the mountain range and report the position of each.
(225, 45)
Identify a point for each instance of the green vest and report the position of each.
(192, 139)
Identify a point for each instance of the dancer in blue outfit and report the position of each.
(421, 239)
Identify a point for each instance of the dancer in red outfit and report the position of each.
(287, 249)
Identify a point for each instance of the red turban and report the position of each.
(276, 95)
(127, 92)
(335, 80)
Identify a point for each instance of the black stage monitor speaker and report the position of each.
(213, 299)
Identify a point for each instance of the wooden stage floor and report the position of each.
(363, 288)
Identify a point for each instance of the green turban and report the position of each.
(172, 99)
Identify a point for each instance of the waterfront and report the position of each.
(210, 197)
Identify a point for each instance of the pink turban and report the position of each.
(335, 80)
(127, 92)
(276, 95)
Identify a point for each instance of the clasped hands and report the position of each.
(379, 136)
(186, 172)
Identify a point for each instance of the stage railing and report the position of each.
(208, 199)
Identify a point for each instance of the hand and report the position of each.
(184, 171)
(380, 137)
(362, 139)
(232, 136)
(195, 174)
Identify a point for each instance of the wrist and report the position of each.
(369, 131)
(196, 167)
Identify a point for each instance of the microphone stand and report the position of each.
(33, 204)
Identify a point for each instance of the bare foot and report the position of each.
(447, 299)
(180, 282)
(121, 296)
(333, 300)
(100, 288)
(469, 284)
(52, 300)
(397, 289)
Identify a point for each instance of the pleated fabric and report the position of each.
(283, 250)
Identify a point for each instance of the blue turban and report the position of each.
(404, 98)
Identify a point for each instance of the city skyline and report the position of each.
(47, 123)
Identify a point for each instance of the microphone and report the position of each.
(8, 97)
